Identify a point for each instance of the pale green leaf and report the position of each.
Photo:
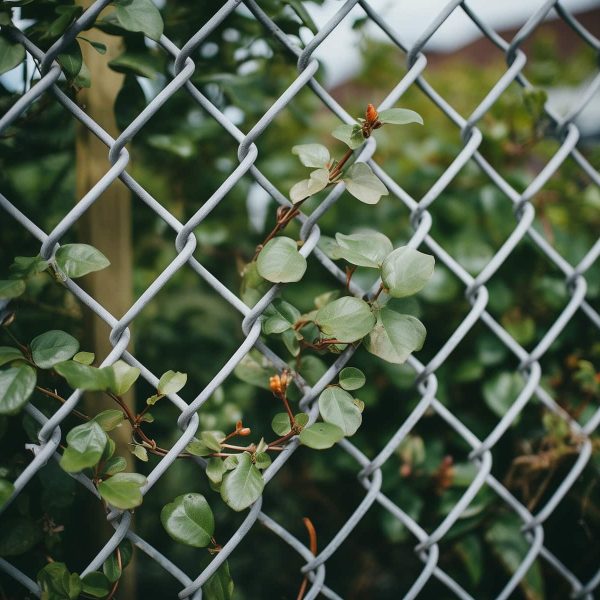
(12, 54)
(347, 319)
(351, 378)
(139, 15)
(400, 116)
(406, 271)
(84, 377)
(124, 377)
(368, 249)
(110, 419)
(309, 187)
(86, 444)
(279, 317)
(9, 354)
(85, 358)
(171, 382)
(321, 436)
(351, 135)
(76, 260)
(11, 288)
(123, 490)
(363, 184)
(312, 155)
(337, 407)
(280, 262)
(395, 336)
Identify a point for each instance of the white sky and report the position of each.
(410, 18)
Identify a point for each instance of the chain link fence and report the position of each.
(368, 468)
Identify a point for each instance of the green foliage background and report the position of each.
(181, 157)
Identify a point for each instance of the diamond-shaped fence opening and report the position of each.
(386, 485)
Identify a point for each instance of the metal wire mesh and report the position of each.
(369, 471)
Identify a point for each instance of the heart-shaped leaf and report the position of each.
(52, 347)
(280, 262)
(312, 155)
(85, 447)
(123, 490)
(363, 184)
(139, 15)
(337, 407)
(243, 485)
(321, 436)
(351, 378)
(351, 135)
(171, 382)
(395, 336)
(279, 317)
(368, 249)
(84, 377)
(16, 385)
(347, 319)
(309, 187)
(406, 271)
(124, 377)
(189, 520)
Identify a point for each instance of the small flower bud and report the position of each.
(275, 384)
(244, 431)
(371, 114)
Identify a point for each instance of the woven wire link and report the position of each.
(369, 472)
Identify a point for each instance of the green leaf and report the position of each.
(215, 469)
(395, 336)
(6, 490)
(12, 54)
(18, 535)
(243, 485)
(130, 102)
(508, 543)
(501, 391)
(26, 266)
(111, 567)
(189, 520)
(83, 377)
(76, 260)
(312, 155)
(11, 288)
(8, 354)
(139, 15)
(351, 135)
(406, 271)
(262, 460)
(95, 584)
(280, 316)
(84, 358)
(281, 424)
(347, 319)
(139, 452)
(114, 465)
(85, 447)
(53, 347)
(321, 436)
(16, 385)
(57, 583)
(212, 440)
(352, 378)
(71, 60)
(110, 419)
(337, 407)
(280, 262)
(99, 47)
(198, 448)
(124, 377)
(400, 116)
(306, 19)
(123, 490)
(171, 382)
(368, 249)
(312, 368)
(317, 181)
(363, 184)
(255, 369)
(136, 63)
(152, 400)
(291, 339)
(219, 586)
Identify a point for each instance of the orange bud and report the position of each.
(244, 431)
(372, 115)
(275, 384)
(239, 425)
